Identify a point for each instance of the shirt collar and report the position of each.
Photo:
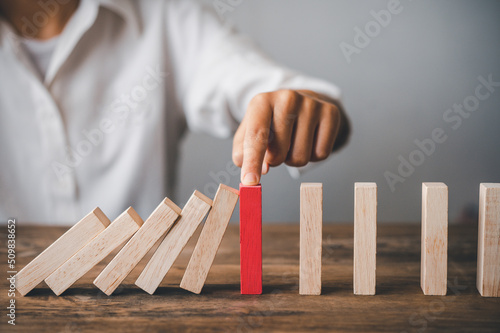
(127, 9)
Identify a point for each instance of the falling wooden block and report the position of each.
(251, 239)
(365, 238)
(210, 238)
(434, 247)
(96, 250)
(488, 250)
(169, 249)
(311, 225)
(61, 250)
(138, 246)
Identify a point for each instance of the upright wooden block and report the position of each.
(172, 245)
(156, 226)
(96, 250)
(61, 250)
(251, 239)
(365, 238)
(434, 247)
(488, 250)
(311, 226)
(210, 238)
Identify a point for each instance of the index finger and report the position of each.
(257, 129)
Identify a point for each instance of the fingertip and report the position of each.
(250, 179)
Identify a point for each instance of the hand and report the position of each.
(285, 126)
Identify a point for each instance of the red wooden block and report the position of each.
(251, 239)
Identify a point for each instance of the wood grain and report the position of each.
(365, 238)
(488, 252)
(251, 239)
(61, 250)
(311, 226)
(174, 242)
(210, 238)
(434, 247)
(96, 250)
(399, 305)
(155, 227)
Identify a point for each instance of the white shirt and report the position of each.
(102, 127)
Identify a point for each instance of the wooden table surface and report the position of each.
(399, 305)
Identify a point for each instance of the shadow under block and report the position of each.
(365, 238)
(156, 226)
(251, 239)
(311, 224)
(210, 238)
(61, 250)
(172, 245)
(434, 243)
(488, 251)
(96, 250)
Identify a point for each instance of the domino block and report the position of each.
(61, 250)
(365, 238)
(488, 250)
(434, 247)
(172, 245)
(311, 224)
(156, 226)
(251, 239)
(210, 238)
(95, 251)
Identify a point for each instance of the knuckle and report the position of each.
(259, 99)
(332, 111)
(259, 134)
(288, 96)
(310, 107)
(288, 100)
(256, 138)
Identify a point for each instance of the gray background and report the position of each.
(395, 90)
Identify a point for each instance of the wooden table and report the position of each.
(399, 305)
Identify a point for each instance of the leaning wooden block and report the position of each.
(210, 238)
(311, 226)
(138, 246)
(365, 238)
(101, 246)
(169, 249)
(61, 250)
(488, 250)
(251, 240)
(434, 247)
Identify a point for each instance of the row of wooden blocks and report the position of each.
(434, 239)
(93, 238)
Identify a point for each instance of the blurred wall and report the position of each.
(399, 86)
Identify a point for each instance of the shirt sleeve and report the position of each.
(219, 71)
